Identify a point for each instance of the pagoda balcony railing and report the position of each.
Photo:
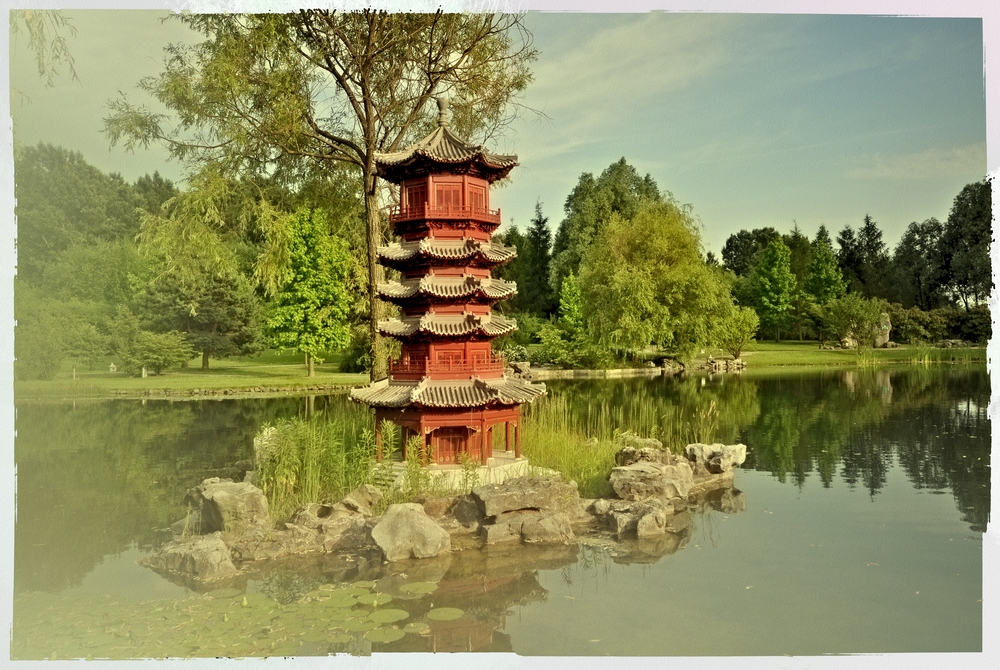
(424, 366)
(445, 212)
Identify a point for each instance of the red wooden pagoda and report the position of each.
(447, 386)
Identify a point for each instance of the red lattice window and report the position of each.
(448, 195)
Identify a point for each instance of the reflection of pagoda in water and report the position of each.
(447, 387)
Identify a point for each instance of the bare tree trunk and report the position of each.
(204, 360)
(309, 364)
(377, 344)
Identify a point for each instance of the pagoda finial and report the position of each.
(442, 101)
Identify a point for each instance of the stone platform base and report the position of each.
(501, 467)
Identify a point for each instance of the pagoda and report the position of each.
(448, 387)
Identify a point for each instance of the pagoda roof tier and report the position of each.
(448, 325)
(474, 392)
(442, 149)
(490, 254)
(448, 288)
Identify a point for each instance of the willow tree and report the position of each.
(282, 95)
(644, 282)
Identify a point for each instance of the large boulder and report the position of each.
(525, 493)
(644, 480)
(530, 527)
(406, 531)
(715, 458)
(228, 506)
(201, 557)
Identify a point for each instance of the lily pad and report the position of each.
(327, 587)
(351, 591)
(358, 625)
(416, 627)
(418, 587)
(445, 614)
(339, 638)
(363, 585)
(339, 602)
(384, 635)
(388, 616)
(374, 599)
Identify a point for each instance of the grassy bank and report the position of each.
(804, 354)
(271, 370)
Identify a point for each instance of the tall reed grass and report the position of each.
(311, 460)
(580, 444)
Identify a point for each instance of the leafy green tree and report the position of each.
(824, 281)
(772, 286)
(964, 249)
(741, 249)
(916, 266)
(644, 282)
(801, 251)
(39, 333)
(536, 290)
(571, 307)
(857, 318)
(267, 96)
(137, 349)
(515, 270)
(737, 329)
(218, 313)
(64, 201)
(310, 312)
(851, 259)
(618, 190)
(874, 259)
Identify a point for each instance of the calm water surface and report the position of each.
(867, 494)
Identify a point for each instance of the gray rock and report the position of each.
(643, 480)
(547, 529)
(630, 439)
(467, 512)
(189, 525)
(405, 530)
(521, 367)
(228, 506)
(630, 455)
(362, 499)
(203, 558)
(715, 458)
(539, 493)
(496, 533)
(645, 518)
(435, 506)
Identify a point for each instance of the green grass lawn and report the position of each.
(285, 371)
(796, 354)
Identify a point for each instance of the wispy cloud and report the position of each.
(922, 165)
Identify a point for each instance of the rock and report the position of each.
(645, 518)
(715, 458)
(630, 455)
(405, 530)
(496, 533)
(538, 493)
(521, 367)
(547, 529)
(250, 477)
(189, 525)
(228, 506)
(643, 480)
(466, 511)
(436, 507)
(361, 499)
(630, 439)
(204, 558)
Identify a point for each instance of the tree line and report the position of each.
(625, 273)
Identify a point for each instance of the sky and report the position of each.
(754, 120)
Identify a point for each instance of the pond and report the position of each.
(866, 496)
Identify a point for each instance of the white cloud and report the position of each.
(928, 164)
